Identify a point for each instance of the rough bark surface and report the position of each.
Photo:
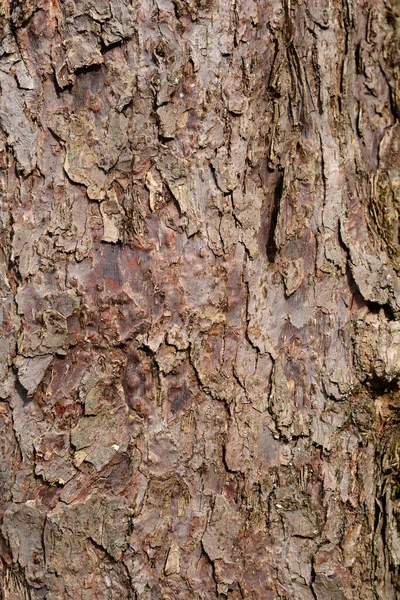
(200, 345)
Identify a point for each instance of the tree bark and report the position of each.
(200, 346)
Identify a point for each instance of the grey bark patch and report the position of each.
(53, 459)
(31, 370)
(22, 133)
(222, 530)
(23, 527)
(95, 448)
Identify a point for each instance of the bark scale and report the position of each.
(200, 344)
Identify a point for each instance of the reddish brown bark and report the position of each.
(200, 342)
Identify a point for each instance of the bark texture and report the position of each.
(200, 345)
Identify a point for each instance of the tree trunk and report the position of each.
(200, 300)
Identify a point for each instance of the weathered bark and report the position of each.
(200, 343)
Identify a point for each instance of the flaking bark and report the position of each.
(200, 346)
